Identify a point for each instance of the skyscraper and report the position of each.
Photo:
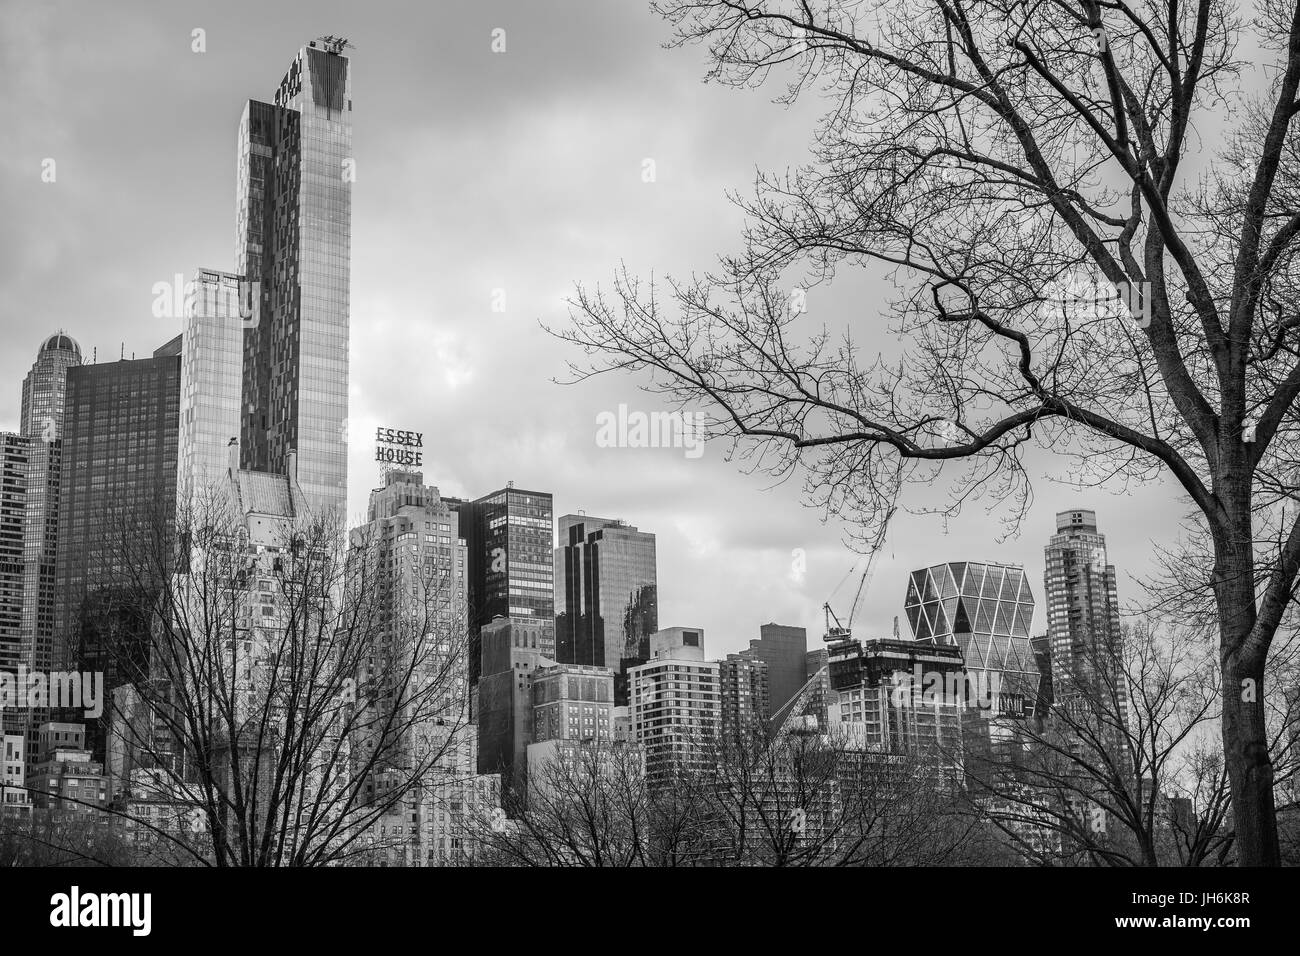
(14, 450)
(118, 488)
(293, 235)
(986, 610)
(44, 400)
(420, 649)
(211, 382)
(1082, 608)
(510, 534)
(784, 648)
(606, 597)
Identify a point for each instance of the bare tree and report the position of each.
(1027, 174)
(1120, 770)
(293, 687)
(760, 799)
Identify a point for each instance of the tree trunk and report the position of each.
(1245, 738)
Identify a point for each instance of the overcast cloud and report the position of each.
(476, 172)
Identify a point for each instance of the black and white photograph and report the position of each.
(451, 447)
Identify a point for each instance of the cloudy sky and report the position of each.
(476, 172)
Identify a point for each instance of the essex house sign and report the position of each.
(396, 447)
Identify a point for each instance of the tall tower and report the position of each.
(293, 238)
(606, 596)
(117, 497)
(211, 382)
(44, 399)
(511, 539)
(1082, 609)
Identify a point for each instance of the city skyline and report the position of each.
(429, 356)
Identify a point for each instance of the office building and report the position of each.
(1082, 611)
(43, 402)
(117, 498)
(986, 610)
(784, 649)
(65, 776)
(14, 457)
(573, 702)
(211, 383)
(676, 705)
(510, 536)
(412, 539)
(510, 659)
(606, 597)
(746, 702)
(293, 235)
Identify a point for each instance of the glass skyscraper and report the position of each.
(606, 596)
(120, 429)
(211, 381)
(510, 535)
(986, 610)
(293, 234)
(1082, 609)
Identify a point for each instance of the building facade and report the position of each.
(986, 610)
(676, 705)
(15, 453)
(211, 384)
(293, 240)
(746, 701)
(784, 649)
(117, 490)
(43, 401)
(510, 535)
(1083, 628)
(606, 595)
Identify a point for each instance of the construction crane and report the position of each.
(843, 631)
(335, 45)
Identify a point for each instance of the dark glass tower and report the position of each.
(510, 536)
(606, 596)
(120, 428)
(293, 236)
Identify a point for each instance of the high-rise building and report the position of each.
(986, 610)
(118, 489)
(676, 705)
(510, 535)
(1082, 609)
(293, 235)
(746, 702)
(784, 649)
(44, 400)
(900, 697)
(510, 659)
(420, 647)
(211, 383)
(14, 452)
(606, 597)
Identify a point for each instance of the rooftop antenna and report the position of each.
(335, 45)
